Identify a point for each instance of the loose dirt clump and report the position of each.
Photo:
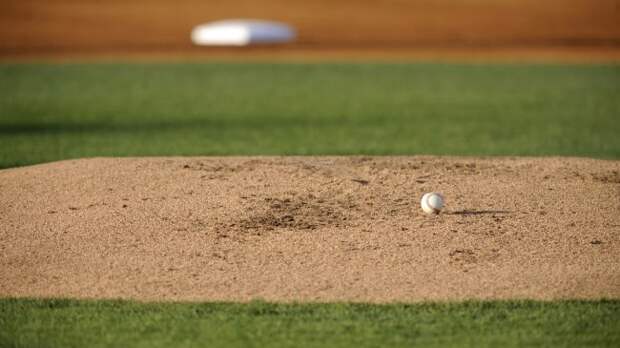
(311, 229)
(610, 177)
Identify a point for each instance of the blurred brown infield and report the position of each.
(521, 30)
(311, 229)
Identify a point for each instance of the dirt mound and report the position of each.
(311, 229)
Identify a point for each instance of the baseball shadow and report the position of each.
(470, 212)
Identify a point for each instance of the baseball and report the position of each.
(432, 203)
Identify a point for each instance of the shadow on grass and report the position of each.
(98, 127)
(264, 122)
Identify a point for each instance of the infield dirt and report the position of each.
(311, 229)
(581, 30)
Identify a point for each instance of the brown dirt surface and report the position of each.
(311, 229)
(375, 29)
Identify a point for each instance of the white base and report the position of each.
(241, 33)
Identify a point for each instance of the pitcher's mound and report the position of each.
(311, 229)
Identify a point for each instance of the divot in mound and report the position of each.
(301, 213)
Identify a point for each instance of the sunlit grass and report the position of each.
(53, 112)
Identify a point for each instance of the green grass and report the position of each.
(70, 323)
(51, 112)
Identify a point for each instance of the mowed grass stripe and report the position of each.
(72, 323)
(53, 112)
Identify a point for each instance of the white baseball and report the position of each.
(432, 203)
